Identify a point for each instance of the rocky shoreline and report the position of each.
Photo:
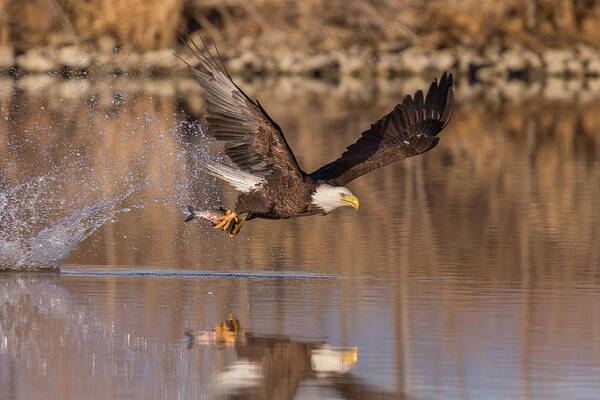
(249, 59)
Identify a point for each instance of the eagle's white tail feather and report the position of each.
(240, 180)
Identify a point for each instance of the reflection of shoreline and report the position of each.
(495, 214)
(40, 326)
(184, 87)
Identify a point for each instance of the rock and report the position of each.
(319, 65)
(590, 58)
(555, 60)
(533, 60)
(162, 58)
(414, 60)
(7, 57)
(355, 62)
(575, 67)
(388, 64)
(593, 67)
(73, 57)
(37, 60)
(36, 84)
(467, 58)
(442, 60)
(286, 61)
(513, 59)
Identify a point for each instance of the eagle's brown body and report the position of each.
(282, 198)
(271, 183)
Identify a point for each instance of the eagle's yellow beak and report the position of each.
(351, 201)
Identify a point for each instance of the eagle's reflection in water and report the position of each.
(278, 367)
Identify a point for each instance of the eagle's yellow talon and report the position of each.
(226, 219)
(237, 227)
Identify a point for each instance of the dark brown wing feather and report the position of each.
(252, 140)
(410, 129)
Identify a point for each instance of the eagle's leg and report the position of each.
(238, 226)
(225, 220)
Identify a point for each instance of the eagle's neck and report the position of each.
(327, 197)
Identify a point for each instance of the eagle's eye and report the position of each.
(343, 195)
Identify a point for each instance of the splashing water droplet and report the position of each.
(32, 237)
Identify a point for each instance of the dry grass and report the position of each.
(317, 24)
(141, 24)
(533, 23)
(337, 24)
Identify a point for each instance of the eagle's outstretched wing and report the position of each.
(410, 129)
(252, 140)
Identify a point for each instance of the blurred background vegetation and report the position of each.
(332, 24)
(485, 40)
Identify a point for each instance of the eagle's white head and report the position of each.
(328, 197)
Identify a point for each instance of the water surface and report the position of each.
(469, 272)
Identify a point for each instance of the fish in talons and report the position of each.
(227, 220)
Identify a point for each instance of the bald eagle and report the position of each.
(267, 176)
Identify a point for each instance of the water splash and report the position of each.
(32, 233)
(196, 150)
(71, 163)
